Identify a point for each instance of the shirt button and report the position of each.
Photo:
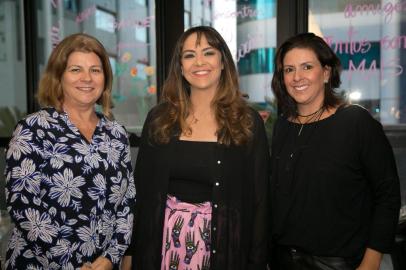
(218, 161)
(217, 184)
(214, 251)
(214, 228)
(215, 205)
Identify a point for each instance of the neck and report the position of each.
(309, 114)
(201, 101)
(81, 114)
(306, 111)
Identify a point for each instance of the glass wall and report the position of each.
(249, 28)
(127, 30)
(13, 93)
(369, 36)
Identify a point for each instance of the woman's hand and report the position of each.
(86, 266)
(126, 263)
(101, 263)
(371, 260)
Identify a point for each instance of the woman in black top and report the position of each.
(202, 148)
(334, 188)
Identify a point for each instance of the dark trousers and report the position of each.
(286, 258)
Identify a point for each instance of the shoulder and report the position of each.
(356, 113)
(114, 128)
(354, 109)
(42, 119)
(357, 120)
(255, 116)
(157, 110)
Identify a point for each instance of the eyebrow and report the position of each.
(205, 49)
(75, 65)
(301, 64)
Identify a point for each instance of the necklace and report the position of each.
(194, 119)
(314, 117)
(307, 115)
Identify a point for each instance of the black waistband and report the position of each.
(285, 257)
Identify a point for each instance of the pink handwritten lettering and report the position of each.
(134, 23)
(247, 46)
(351, 10)
(396, 42)
(55, 37)
(85, 14)
(54, 3)
(245, 11)
(393, 67)
(390, 68)
(351, 45)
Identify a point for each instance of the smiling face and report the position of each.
(201, 64)
(304, 79)
(82, 80)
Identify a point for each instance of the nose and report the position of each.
(199, 60)
(297, 75)
(86, 76)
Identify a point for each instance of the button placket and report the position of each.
(217, 184)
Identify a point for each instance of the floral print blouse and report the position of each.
(70, 200)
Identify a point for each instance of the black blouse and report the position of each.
(335, 189)
(239, 198)
(190, 178)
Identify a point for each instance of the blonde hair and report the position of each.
(50, 92)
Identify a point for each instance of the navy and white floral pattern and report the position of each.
(70, 199)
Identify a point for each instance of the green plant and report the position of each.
(9, 116)
(268, 111)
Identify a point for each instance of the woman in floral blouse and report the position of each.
(69, 180)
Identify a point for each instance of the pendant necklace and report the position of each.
(310, 117)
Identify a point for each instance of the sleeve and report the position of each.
(142, 166)
(34, 218)
(380, 169)
(124, 211)
(259, 159)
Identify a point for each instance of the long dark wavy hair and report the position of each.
(326, 57)
(231, 111)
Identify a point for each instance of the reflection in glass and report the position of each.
(249, 28)
(5, 232)
(369, 39)
(13, 101)
(127, 31)
(105, 21)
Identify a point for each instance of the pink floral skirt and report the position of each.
(186, 236)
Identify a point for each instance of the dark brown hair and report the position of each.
(231, 111)
(50, 91)
(326, 57)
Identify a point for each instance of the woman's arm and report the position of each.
(371, 261)
(35, 219)
(123, 185)
(379, 167)
(126, 263)
(259, 160)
